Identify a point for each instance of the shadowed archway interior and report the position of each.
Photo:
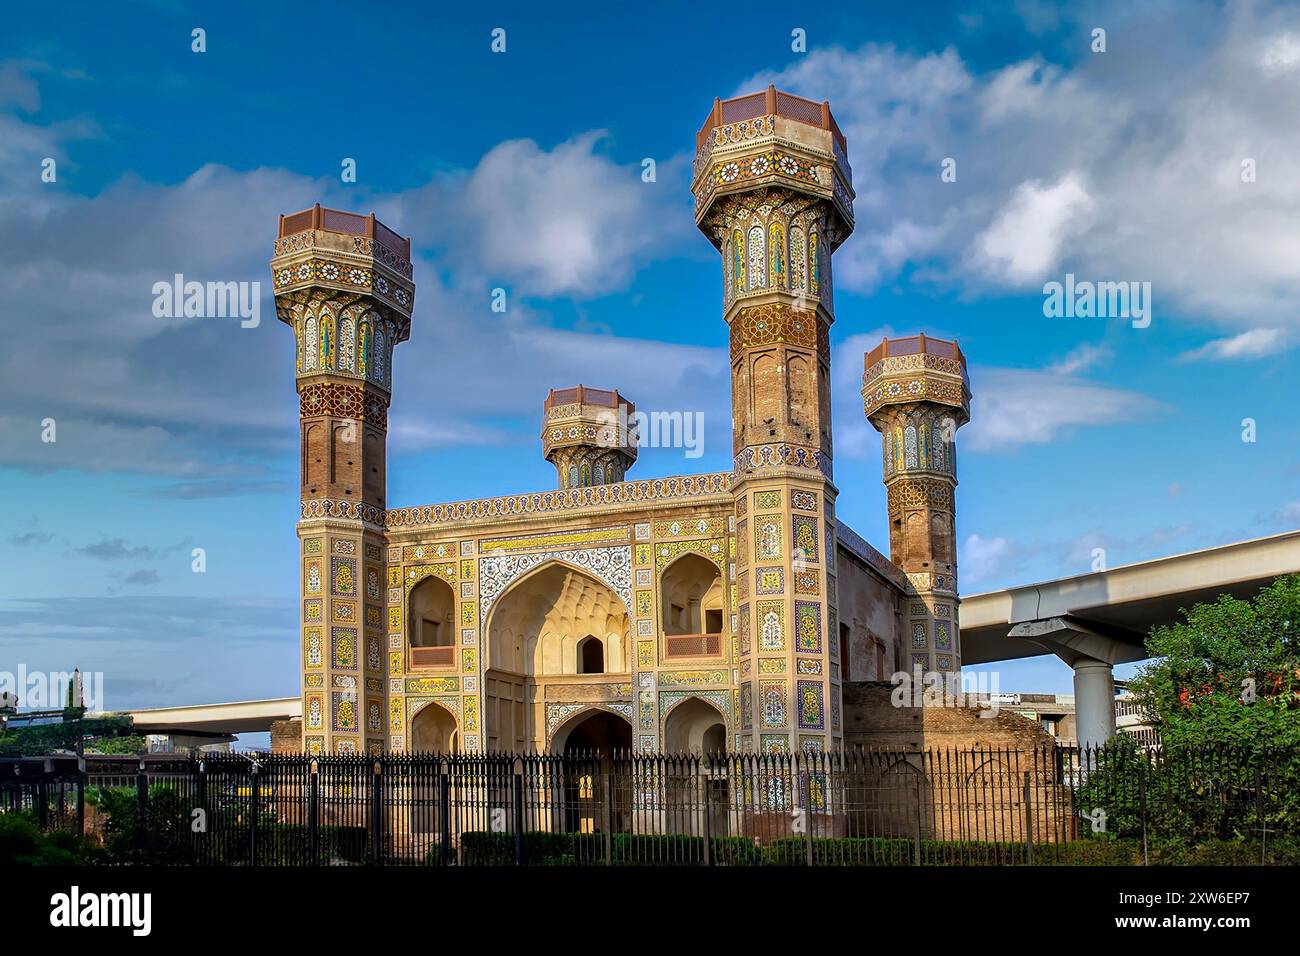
(556, 624)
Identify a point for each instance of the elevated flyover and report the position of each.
(217, 720)
(1094, 621)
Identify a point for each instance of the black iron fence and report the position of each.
(937, 807)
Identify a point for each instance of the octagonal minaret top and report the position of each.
(777, 139)
(589, 434)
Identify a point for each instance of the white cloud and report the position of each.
(1281, 54)
(1024, 242)
(1255, 343)
(1022, 406)
(1120, 166)
(185, 398)
(1080, 359)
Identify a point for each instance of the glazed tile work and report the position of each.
(685, 613)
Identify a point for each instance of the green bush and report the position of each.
(23, 844)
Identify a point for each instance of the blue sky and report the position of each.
(522, 170)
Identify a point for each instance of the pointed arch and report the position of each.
(311, 347)
(776, 256)
(757, 258)
(691, 596)
(738, 260)
(798, 260)
(536, 624)
(694, 725)
(434, 729)
(327, 343)
(799, 376)
(814, 264)
(365, 344)
(347, 344)
(766, 389)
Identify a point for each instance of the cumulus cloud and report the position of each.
(1024, 242)
(1120, 166)
(1080, 359)
(209, 403)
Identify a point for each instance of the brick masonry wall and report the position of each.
(286, 736)
(871, 720)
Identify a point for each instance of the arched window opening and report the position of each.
(431, 625)
(691, 593)
(591, 656)
(757, 259)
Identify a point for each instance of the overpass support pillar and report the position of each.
(1094, 701)
(1091, 655)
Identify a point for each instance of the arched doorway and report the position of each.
(556, 622)
(691, 790)
(596, 732)
(434, 731)
(589, 740)
(695, 726)
(591, 656)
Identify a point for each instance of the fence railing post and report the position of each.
(141, 809)
(313, 813)
(376, 813)
(1142, 806)
(1259, 813)
(255, 813)
(517, 805)
(805, 777)
(916, 837)
(43, 801)
(705, 801)
(201, 804)
(1029, 819)
(81, 796)
(607, 812)
(444, 815)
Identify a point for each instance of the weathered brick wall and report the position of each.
(286, 736)
(871, 720)
(970, 783)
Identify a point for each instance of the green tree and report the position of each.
(1229, 673)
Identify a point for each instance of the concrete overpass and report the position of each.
(1094, 621)
(216, 720)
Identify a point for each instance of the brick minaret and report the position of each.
(588, 434)
(343, 284)
(916, 393)
(773, 192)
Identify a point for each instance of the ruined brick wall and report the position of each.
(871, 720)
(286, 736)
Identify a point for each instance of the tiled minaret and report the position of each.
(916, 393)
(343, 284)
(773, 193)
(589, 435)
